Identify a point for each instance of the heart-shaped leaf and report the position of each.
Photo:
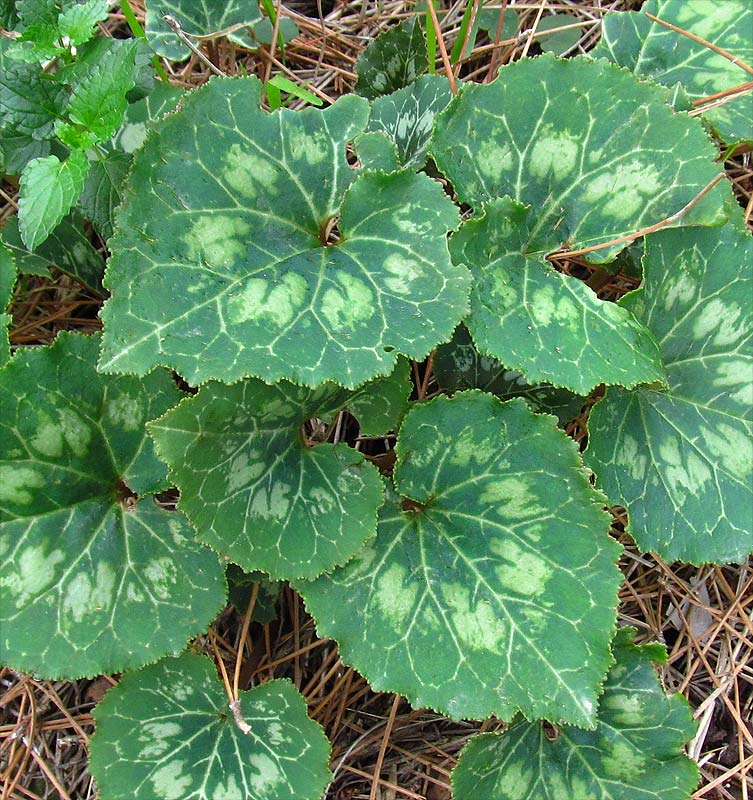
(635, 753)
(90, 580)
(253, 488)
(681, 460)
(550, 326)
(236, 224)
(594, 165)
(491, 587)
(166, 732)
(648, 48)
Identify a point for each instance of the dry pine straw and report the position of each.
(381, 747)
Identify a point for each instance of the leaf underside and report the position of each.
(255, 491)
(493, 588)
(634, 753)
(165, 732)
(647, 48)
(681, 460)
(89, 582)
(233, 225)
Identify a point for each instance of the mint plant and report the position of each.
(288, 267)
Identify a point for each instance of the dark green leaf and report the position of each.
(139, 116)
(681, 460)
(393, 60)
(166, 732)
(240, 588)
(635, 753)
(491, 587)
(458, 365)
(255, 491)
(103, 190)
(91, 581)
(68, 248)
(234, 224)
(7, 284)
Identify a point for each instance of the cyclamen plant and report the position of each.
(286, 283)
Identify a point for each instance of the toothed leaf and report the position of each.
(681, 460)
(635, 753)
(166, 732)
(233, 224)
(492, 588)
(90, 580)
(255, 491)
(584, 144)
(549, 326)
(650, 49)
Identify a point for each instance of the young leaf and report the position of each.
(375, 150)
(210, 17)
(550, 326)
(393, 60)
(103, 190)
(98, 101)
(7, 284)
(407, 116)
(562, 41)
(37, 12)
(681, 460)
(76, 22)
(166, 732)
(592, 165)
(491, 587)
(48, 189)
(458, 365)
(67, 248)
(235, 223)
(634, 41)
(255, 491)
(635, 753)
(90, 580)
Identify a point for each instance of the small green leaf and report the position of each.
(380, 404)
(375, 150)
(98, 101)
(262, 33)
(37, 12)
(7, 284)
(31, 100)
(634, 41)
(393, 60)
(549, 326)
(407, 116)
(458, 365)
(77, 21)
(48, 189)
(103, 190)
(240, 588)
(593, 165)
(67, 248)
(562, 41)
(295, 89)
(236, 224)
(91, 580)
(681, 460)
(491, 587)
(255, 491)
(635, 753)
(208, 18)
(166, 732)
